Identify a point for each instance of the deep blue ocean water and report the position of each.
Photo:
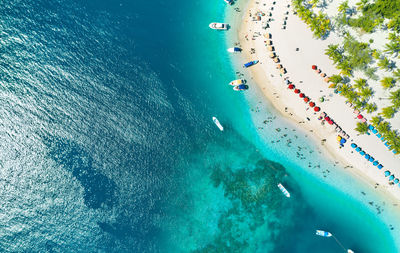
(107, 143)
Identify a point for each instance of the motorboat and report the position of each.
(283, 190)
(237, 82)
(250, 63)
(219, 26)
(323, 233)
(240, 87)
(216, 121)
(230, 2)
(234, 49)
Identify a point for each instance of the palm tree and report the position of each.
(387, 82)
(336, 79)
(360, 83)
(388, 112)
(376, 120)
(383, 127)
(345, 68)
(384, 63)
(396, 74)
(395, 98)
(366, 92)
(343, 7)
(371, 108)
(362, 128)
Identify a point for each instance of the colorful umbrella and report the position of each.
(359, 116)
(317, 109)
(391, 177)
(306, 99)
(380, 166)
(362, 153)
(353, 145)
(291, 86)
(396, 181)
(375, 163)
(358, 149)
(371, 159)
(387, 173)
(366, 156)
(302, 95)
(297, 91)
(314, 67)
(312, 104)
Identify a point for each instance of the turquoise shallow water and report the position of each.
(107, 143)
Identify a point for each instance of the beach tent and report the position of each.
(353, 145)
(359, 116)
(291, 86)
(396, 181)
(297, 91)
(306, 99)
(317, 109)
(312, 104)
(314, 67)
(302, 95)
(380, 166)
(391, 177)
(362, 153)
(371, 159)
(387, 173)
(375, 163)
(358, 149)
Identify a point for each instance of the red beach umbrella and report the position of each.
(314, 67)
(330, 122)
(291, 86)
(302, 95)
(317, 109)
(312, 104)
(297, 91)
(359, 116)
(306, 99)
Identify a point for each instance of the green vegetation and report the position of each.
(320, 24)
(371, 108)
(384, 63)
(395, 98)
(362, 128)
(388, 112)
(387, 82)
(393, 46)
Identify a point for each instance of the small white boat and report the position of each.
(323, 233)
(237, 82)
(219, 26)
(234, 49)
(350, 251)
(283, 190)
(216, 121)
(230, 2)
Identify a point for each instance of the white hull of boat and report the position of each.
(283, 190)
(216, 121)
(218, 26)
(237, 82)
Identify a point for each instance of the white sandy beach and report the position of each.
(298, 65)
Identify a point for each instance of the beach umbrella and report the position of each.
(380, 166)
(391, 177)
(270, 48)
(396, 181)
(327, 118)
(366, 156)
(317, 109)
(356, 111)
(318, 71)
(268, 42)
(321, 99)
(297, 91)
(371, 127)
(371, 159)
(312, 104)
(314, 67)
(323, 75)
(353, 145)
(283, 71)
(375, 131)
(338, 138)
(267, 35)
(302, 95)
(291, 86)
(363, 120)
(362, 153)
(272, 55)
(327, 79)
(359, 116)
(276, 60)
(279, 66)
(387, 173)
(358, 149)
(330, 122)
(332, 85)
(306, 99)
(379, 136)
(375, 163)
(323, 114)
(343, 141)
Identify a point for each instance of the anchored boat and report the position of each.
(219, 26)
(230, 2)
(234, 49)
(283, 190)
(323, 233)
(237, 82)
(240, 87)
(250, 63)
(216, 121)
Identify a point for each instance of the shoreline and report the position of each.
(274, 90)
